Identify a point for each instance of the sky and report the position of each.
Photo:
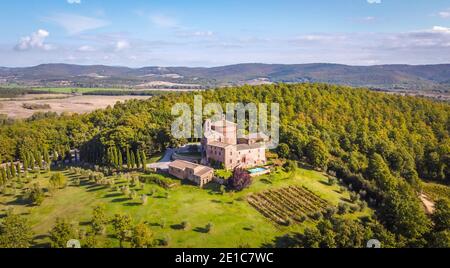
(138, 33)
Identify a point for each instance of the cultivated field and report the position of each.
(15, 108)
(287, 205)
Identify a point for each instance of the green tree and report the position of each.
(133, 160)
(58, 180)
(138, 159)
(441, 216)
(13, 169)
(284, 150)
(129, 166)
(120, 159)
(35, 195)
(144, 161)
(290, 165)
(123, 227)
(379, 171)
(99, 219)
(142, 236)
(402, 213)
(317, 153)
(15, 232)
(61, 233)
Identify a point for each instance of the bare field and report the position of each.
(59, 103)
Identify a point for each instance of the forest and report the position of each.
(380, 145)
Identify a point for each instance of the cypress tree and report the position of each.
(144, 161)
(128, 158)
(138, 160)
(31, 161)
(133, 160)
(116, 157)
(13, 169)
(2, 176)
(8, 173)
(39, 160)
(120, 160)
(18, 170)
(46, 157)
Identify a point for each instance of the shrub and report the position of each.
(329, 212)
(185, 225)
(316, 216)
(354, 197)
(290, 165)
(342, 208)
(332, 181)
(240, 180)
(209, 227)
(144, 199)
(58, 180)
(158, 180)
(35, 195)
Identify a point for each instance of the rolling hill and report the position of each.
(383, 77)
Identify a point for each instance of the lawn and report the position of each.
(235, 222)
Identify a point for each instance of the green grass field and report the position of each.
(436, 191)
(76, 90)
(235, 222)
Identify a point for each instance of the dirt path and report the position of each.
(427, 203)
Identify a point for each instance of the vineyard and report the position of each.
(287, 205)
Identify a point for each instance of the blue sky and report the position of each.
(211, 33)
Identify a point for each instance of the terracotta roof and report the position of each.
(199, 170)
(203, 171)
(219, 144)
(243, 147)
(183, 164)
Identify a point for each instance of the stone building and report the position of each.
(198, 174)
(221, 146)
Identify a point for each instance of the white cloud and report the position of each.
(440, 29)
(164, 21)
(86, 48)
(75, 24)
(74, 2)
(368, 18)
(35, 40)
(444, 14)
(185, 33)
(374, 1)
(122, 45)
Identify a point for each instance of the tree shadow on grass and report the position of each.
(96, 188)
(325, 183)
(85, 223)
(112, 195)
(133, 204)
(266, 181)
(19, 201)
(213, 188)
(177, 226)
(202, 230)
(285, 241)
(346, 200)
(120, 200)
(216, 201)
(39, 241)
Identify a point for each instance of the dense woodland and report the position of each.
(380, 145)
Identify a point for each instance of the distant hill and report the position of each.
(383, 77)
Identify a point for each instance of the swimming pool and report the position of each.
(257, 170)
